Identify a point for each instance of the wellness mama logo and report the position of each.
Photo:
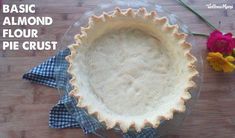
(219, 6)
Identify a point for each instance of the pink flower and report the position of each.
(217, 42)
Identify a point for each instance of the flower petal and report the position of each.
(219, 63)
(216, 33)
(217, 42)
(230, 58)
(229, 35)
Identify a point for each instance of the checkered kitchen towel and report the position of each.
(64, 114)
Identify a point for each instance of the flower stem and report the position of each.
(198, 15)
(200, 34)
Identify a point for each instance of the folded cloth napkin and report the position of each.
(65, 114)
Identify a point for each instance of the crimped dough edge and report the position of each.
(149, 16)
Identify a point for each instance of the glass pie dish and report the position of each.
(62, 77)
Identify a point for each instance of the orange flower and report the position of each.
(220, 63)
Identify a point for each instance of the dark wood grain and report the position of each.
(24, 106)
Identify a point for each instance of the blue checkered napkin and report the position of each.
(145, 133)
(65, 114)
(43, 73)
(53, 73)
(59, 116)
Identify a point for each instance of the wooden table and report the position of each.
(24, 106)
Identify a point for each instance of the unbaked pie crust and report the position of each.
(131, 69)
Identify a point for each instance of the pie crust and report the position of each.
(131, 69)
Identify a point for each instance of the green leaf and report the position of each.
(200, 34)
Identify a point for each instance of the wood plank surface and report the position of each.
(24, 106)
